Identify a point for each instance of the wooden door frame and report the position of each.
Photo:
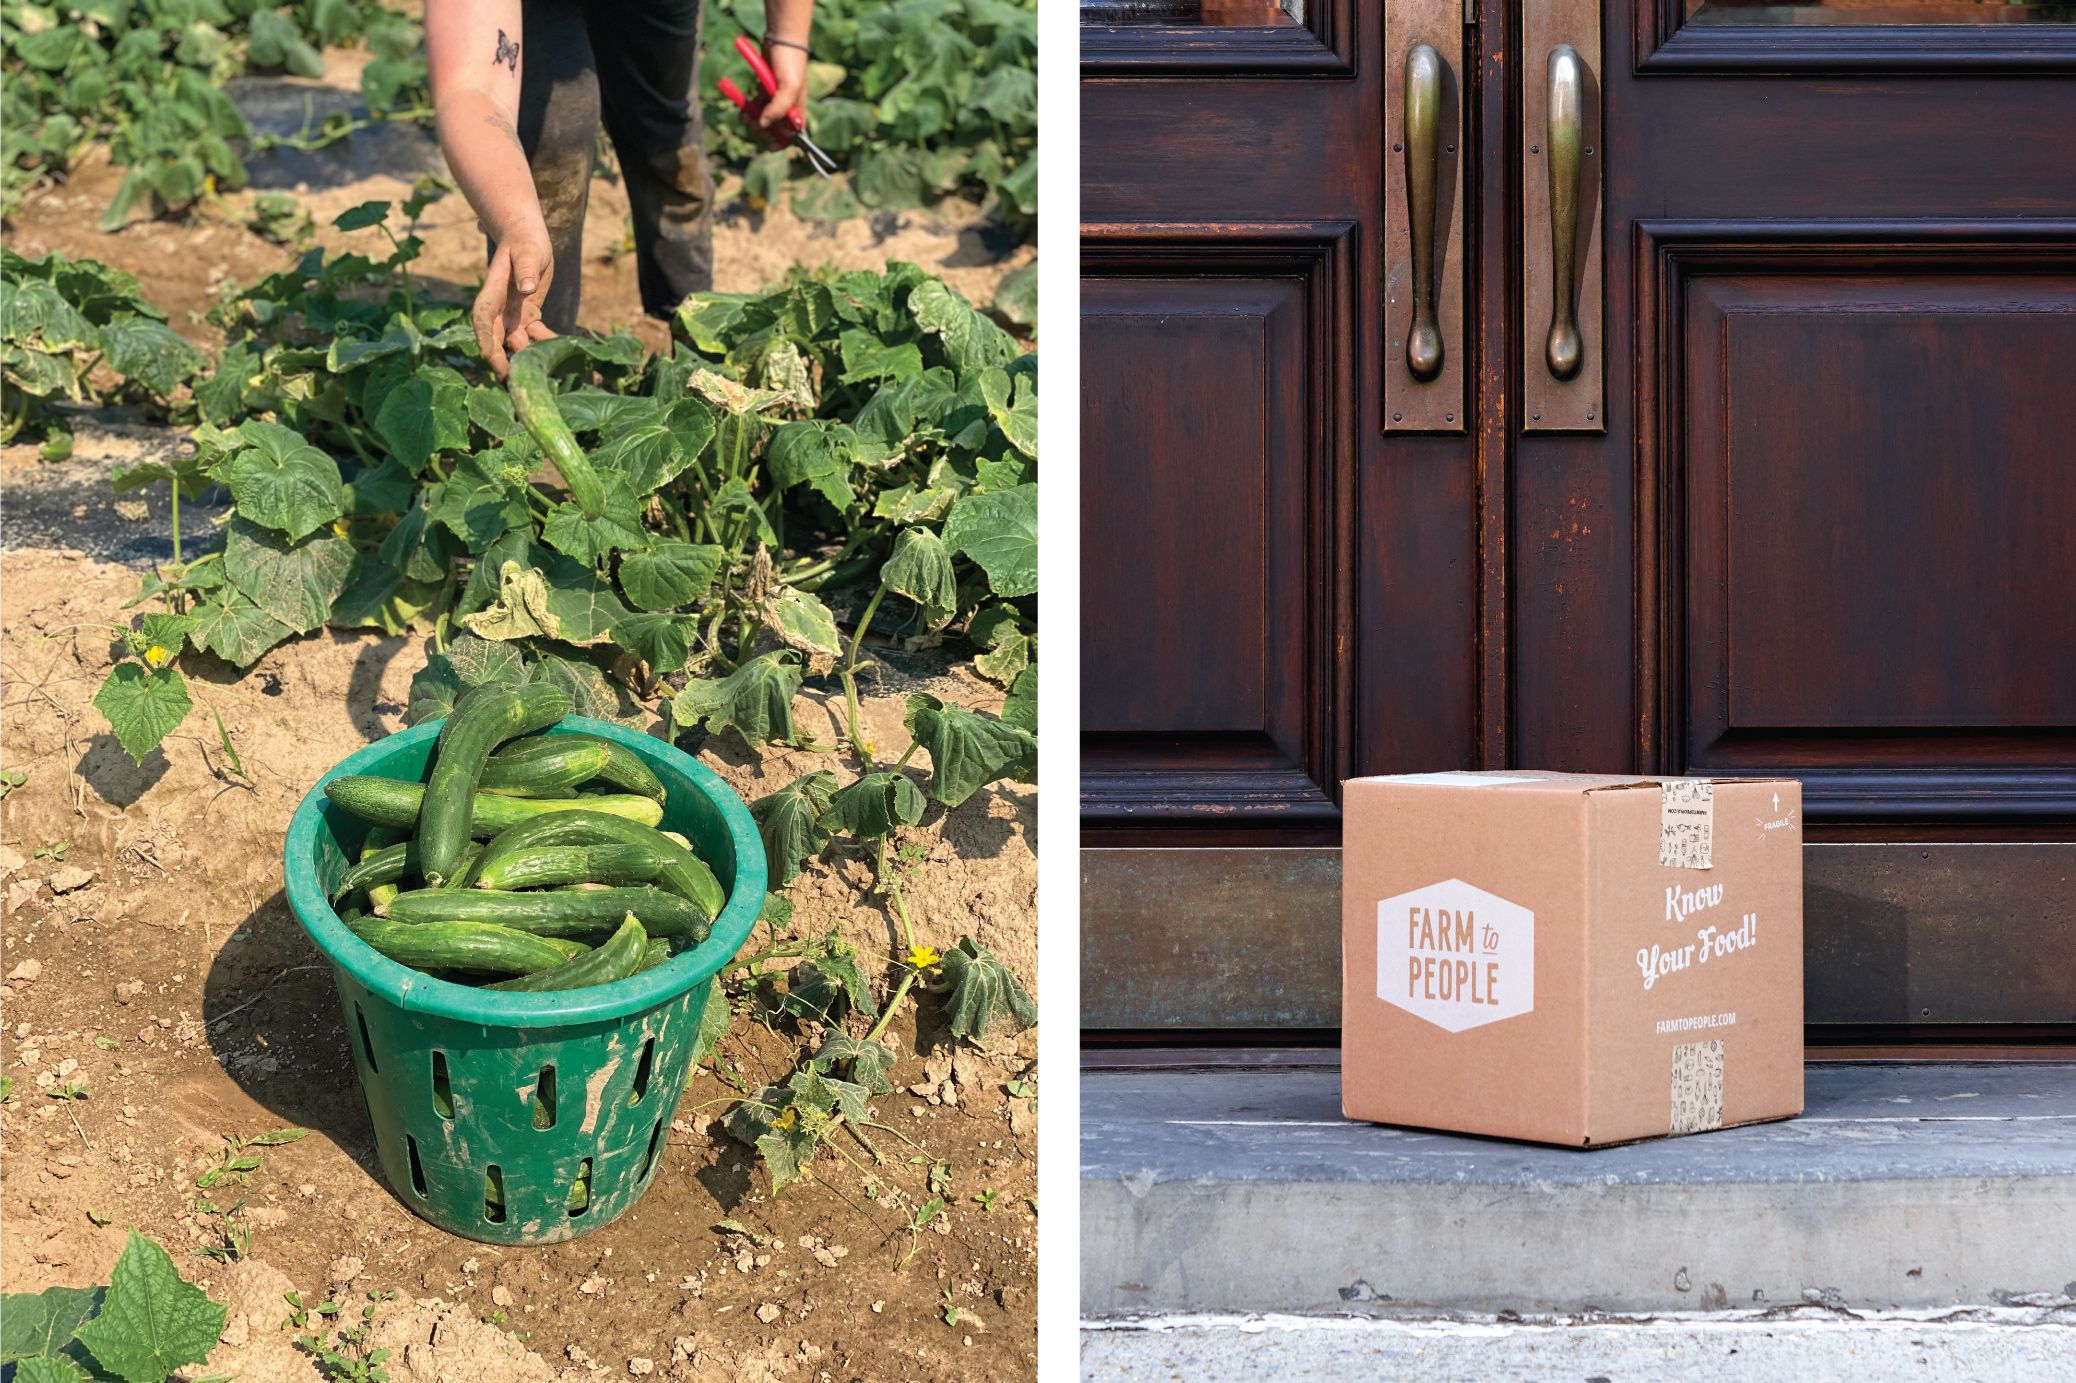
(1279, 869)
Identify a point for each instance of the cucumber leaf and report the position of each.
(427, 413)
(1021, 707)
(983, 993)
(650, 452)
(803, 622)
(921, 569)
(234, 629)
(999, 530)
(142, 706)
(295, 582)
(590, 693)
(967, 749)
(664, 642)
(1015, 413)
(790, 822)
(872, 807)
(784, 1134)
(483, 499)
(667, 575)
(971, 342)
(816, 453)
(756, 700)
(42, 1323)
(1006, 647)
(151, 353)
(823, 988)
(283, 482)
(869, 1062)
(152, 1322)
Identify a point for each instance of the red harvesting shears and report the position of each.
(791, 130)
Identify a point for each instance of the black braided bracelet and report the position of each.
(769, 41)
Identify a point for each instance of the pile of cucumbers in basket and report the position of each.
(525, 861)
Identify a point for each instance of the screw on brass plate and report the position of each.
(1589, 151)
(1589, 415)
(1448, 417)
(1535, 148)
(1398, 148)
(1535, 417)
(1398, 417)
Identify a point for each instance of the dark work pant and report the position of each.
(634, 65)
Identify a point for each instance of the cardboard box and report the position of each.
(1570, 958)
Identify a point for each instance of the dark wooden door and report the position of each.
(1814, 509)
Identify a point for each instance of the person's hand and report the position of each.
(508, 311)
(789, 65)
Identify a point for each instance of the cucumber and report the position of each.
(684, 873)
(381, 866)
(379, 839)
(549, 866)
(658, 951)
(553, 771)
(617, 957)
(533, 399)
(554, 912)
(393, 802)
(465, 945)
(541, 699)
(482, 720)
(385, 867)
(624, 768)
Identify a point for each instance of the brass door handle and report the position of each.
(1564, 350)
(1423, 169)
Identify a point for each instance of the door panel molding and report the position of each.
(1270, 745)
(1940, 760)
(1893, 936)
(1322, 46)
(1667, 45)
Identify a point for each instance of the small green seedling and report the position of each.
(955, 1315)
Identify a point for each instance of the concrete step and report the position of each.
(1806, 1345)
(1241, 1189)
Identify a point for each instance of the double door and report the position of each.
(1667, 386)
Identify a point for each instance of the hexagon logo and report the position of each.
(1455, 955)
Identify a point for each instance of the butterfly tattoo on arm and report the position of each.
(507, 53)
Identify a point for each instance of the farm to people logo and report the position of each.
(1455, 955)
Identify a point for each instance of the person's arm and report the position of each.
(791, 21)
(473, 50)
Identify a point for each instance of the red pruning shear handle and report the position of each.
(793, 129)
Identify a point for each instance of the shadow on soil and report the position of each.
(114, 776)
(364, 687)
(272, 1016)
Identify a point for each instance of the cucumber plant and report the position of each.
(146, 78)
(840, 464)
(78, 331)
(917, 99)
(147, 1324)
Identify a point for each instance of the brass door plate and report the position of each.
(1412, 404)
(1550, 404)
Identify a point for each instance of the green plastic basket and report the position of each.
(523, 1118)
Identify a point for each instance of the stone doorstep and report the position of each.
(1995, 1345)
(1235, 1189)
